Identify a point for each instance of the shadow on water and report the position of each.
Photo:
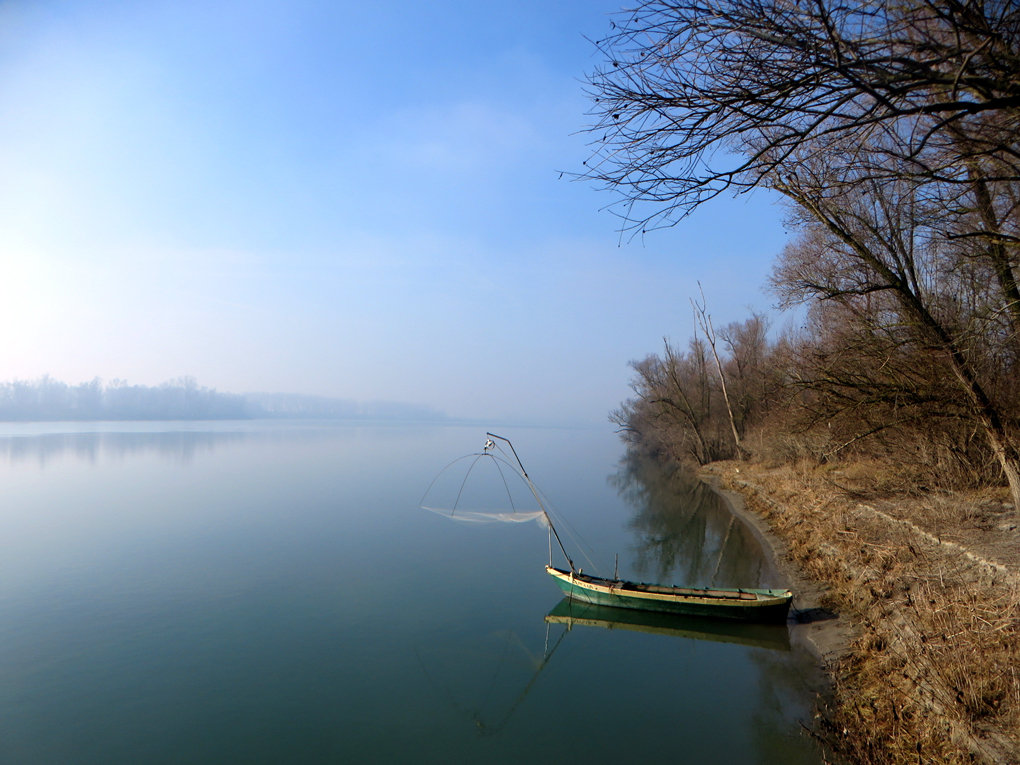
(686, 535)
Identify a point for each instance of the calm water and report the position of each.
(270, 592)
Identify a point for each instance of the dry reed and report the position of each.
(932, 675)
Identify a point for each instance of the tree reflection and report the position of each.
(686, 535)
(176, 446)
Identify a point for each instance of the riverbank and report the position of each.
(911, 603)
(824, 633)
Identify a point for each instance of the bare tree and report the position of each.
(679, 408)
(892, 127)
(751, 365)
(701, 96)
(704, 320)
(674, 405)
(874, 238)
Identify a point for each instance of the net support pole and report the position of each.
(562, 548)
(538, 499)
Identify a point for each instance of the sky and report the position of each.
(361, 200)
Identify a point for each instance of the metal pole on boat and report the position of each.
(538, 499)
(558, 541)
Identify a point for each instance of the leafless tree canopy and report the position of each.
(699, 97)
(893, 130)
(680, 408)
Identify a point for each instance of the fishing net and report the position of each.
(483, 478)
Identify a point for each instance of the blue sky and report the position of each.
(348, 199)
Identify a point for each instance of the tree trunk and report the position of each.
(706, 325)
(1010, 464)
(997, 252)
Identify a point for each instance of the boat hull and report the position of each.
(741, 605)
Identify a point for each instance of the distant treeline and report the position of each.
(181, 399)
(296, 405)
(47, 399)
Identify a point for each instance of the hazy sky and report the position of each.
(348, 199)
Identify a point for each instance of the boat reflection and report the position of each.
(569, 612)
(486, 680)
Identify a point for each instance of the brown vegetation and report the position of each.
(932, 675)
(892, 130)
(681, 407)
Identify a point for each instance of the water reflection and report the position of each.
(572, 612)
(279, 599)
(486, 680)
(177, 446)
(686, 535)
(493, 681)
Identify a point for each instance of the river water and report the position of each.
(271, 592)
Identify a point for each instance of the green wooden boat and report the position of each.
(744, 605)
(748, 605)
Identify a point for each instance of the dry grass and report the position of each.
(933, 677)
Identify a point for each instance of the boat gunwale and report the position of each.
(722, 597)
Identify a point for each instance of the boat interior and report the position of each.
(619, 584)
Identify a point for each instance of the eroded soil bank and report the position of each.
(912, 603)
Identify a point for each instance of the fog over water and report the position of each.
(270, 591)
(51, 400)
(348, 200)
